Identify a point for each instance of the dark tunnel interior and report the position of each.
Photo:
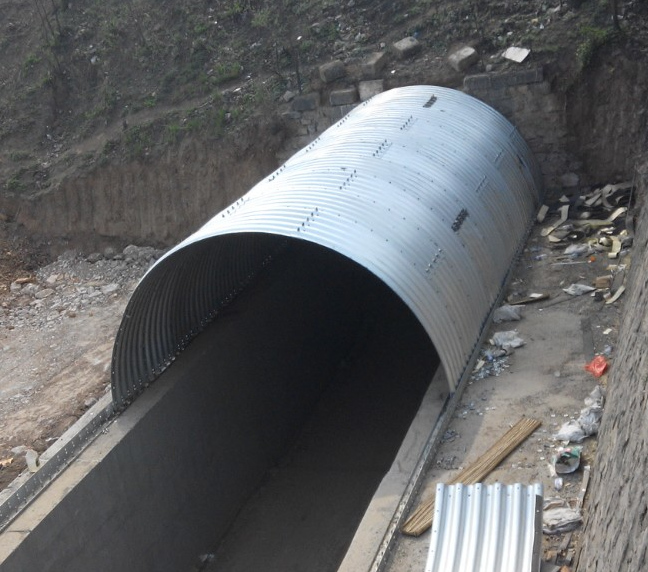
(280, 420)
(359, 364)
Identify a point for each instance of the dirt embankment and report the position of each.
(151, 200)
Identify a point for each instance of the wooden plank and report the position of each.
(583, 491)
(421, 518)
(529, 300)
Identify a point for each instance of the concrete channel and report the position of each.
(246, 475)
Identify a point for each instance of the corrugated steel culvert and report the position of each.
(427, 188)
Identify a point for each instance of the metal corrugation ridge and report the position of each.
(486, 528)
(428, 188)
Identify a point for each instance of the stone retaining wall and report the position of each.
(616, 527)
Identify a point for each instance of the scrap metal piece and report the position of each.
(495, 528)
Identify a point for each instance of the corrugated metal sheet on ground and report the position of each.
(428, 188)
(486, 528)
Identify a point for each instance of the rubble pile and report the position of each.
(73, 283)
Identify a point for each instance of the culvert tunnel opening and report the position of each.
(301, 393)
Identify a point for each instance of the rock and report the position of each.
(461, 59)
(406, 48)
(131, 251)
(30, 289)
(288, 96)
(15, 287)
(31, 457)
(68, 255)
(373, 65)
(331, 71)
(294, 115)
(344, 96)
(52, 279)
(42, 294)
(109, 252)
(367, 89)
(569, 180)
(109, 288)
(308, 102)
(88, 403)
(94, 257)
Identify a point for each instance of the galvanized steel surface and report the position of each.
(428, 188)
(486, 528)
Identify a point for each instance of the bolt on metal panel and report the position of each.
(435, 200)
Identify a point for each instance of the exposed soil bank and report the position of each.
(608, 116)
(157, 200)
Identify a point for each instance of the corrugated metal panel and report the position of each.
(433, 198)
(486, 528)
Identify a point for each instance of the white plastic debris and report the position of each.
(578, 289)
(507, 340)
(571, 431)
(589, 420)
(558, 517)
(507, 313)
(578, 249)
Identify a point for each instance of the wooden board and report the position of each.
(421, 518)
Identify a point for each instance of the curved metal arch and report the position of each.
(428, 188)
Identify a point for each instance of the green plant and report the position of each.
(262, 18)
(30, 61)
(20, 156)
(200, 28)
(225, 72)
(237, 8)
(137, 141)
(150, 101)
(109, 147)
(592, 39)
(14, 184)
(172, 132)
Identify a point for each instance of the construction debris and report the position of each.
(588, 422)
(421, 518)
(507, 340)
(597, 367)
(508, 313)
(559, 517)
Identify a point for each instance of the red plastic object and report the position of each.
(598, 366)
